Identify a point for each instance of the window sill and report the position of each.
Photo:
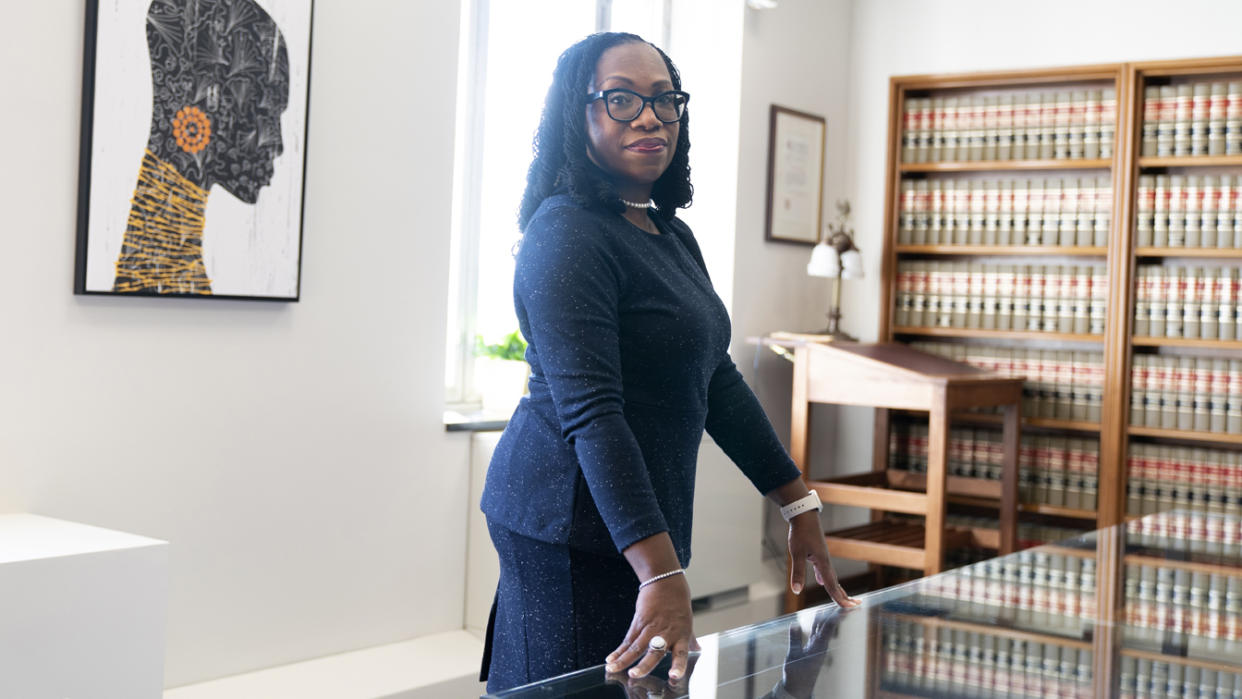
(477, 420)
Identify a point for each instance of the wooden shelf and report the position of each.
(1211, 437)
(1207, 253)
(1191, 161)
(1033, 508)
(1067, 250)
(889, 542)
(1192, 566)
(1186, 342)
(1179, 660)
(1047, 423)
(1001, 165)
(1000, 334)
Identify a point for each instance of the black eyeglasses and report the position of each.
(625, 105)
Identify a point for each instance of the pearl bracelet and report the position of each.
(661, 576)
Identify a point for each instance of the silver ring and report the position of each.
(657, 644)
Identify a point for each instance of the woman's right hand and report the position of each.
(662, 609)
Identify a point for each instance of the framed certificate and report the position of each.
(795, 176)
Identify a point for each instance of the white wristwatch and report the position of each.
(804, 504)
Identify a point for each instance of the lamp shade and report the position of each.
(824, 261)
(852, 266)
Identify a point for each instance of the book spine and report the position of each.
(1226, 294)
(1194, 211)
(1099, 300)
(1190, 302)
(1173, 321)
(1146, 211)
(1182, 103)
(1166, 380)
(1220, 396)
(1081, 290)
(1087, 198)
(991, 127)
(1233, 119)
(1168, 118)
(1216, 118)
(1103, 210)
(1155, 296)
(1067, 298)
(1200, 106)
(1151, 118)
(1202, 395)
(1053, 195)
(1210, 211)
(921, 200)
(978, 213)
(1048, 104)
(1142, 302)
(1185, 393)
(1004, 224)
(991, 297)
(926, 133)
(1005, 284)
(1233, 415)
(1160, 216)
(992, 211)
(1062, 125)
(1224, 212)
(1067, 226)
(935, 128)
(976, 128)
(1108, 122)
(905, 224)
(1005, 140)
(1177, 211)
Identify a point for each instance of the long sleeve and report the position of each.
(736, 421)
(569, 287)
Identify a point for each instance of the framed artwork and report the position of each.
(795, 176)
(193, 148)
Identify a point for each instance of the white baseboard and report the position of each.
(430, 667)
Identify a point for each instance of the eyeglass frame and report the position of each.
(603, 94)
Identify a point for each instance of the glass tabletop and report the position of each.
(1151, 608)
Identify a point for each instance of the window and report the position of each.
(508, 51)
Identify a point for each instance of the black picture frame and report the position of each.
(274, 58)
(793, 181)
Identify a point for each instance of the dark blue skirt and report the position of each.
(557, 610)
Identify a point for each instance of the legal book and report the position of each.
(1167, 118)
(1200, 106)
(1216, 118)
(1233, 119)
(1151, 117)
(1182, 105)
(1108, 121)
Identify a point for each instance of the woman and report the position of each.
(629, 364)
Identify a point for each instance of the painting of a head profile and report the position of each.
(193, 148)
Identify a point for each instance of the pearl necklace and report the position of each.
(637, 205)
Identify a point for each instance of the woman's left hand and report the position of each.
(806, 541)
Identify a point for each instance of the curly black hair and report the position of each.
(560, 145)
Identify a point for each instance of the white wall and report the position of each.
(293, 454)
(796, 56)
(903, 37)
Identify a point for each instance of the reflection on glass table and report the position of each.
(1152, 608)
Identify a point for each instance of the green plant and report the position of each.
(512, 348)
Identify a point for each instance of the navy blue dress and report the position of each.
(628, 349)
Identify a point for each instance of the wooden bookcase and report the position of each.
(1120, 257)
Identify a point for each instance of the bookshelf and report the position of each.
(1179, 259)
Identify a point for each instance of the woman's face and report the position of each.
(634, 153)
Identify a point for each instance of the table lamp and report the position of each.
(836, 257)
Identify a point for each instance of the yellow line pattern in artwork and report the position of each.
(163, 248)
